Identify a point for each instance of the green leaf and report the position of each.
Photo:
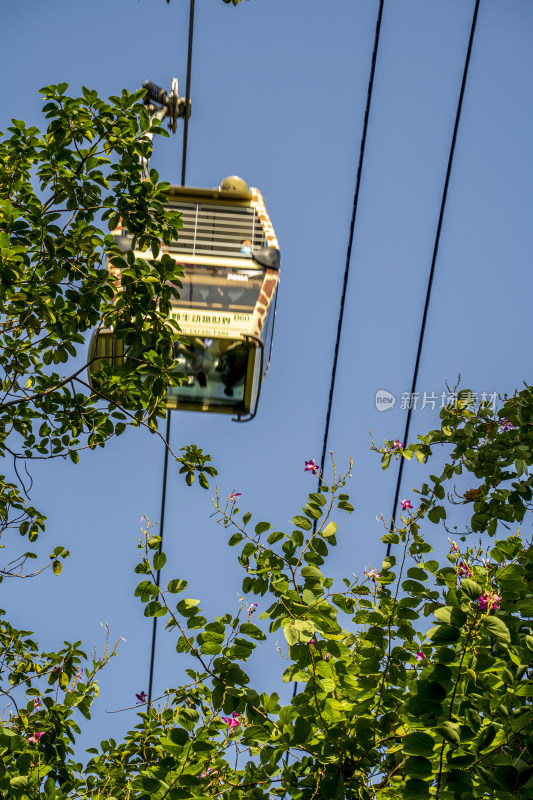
(154, 609)
(444, 633)
(177, 585)
(302, 522)
(313, 573)
(261, 527)
(451, 615)
(160, 560)
(57, 566)
(506, 777)
(329, 530)
(485, 737)
(450, 731)
(415, 788)
(49, 789)
(418, 744)
(318, 498)
(19, 782)
(471, 588)
(211, 647)
(497, 628)
(252, 630)
(256, 733)
(418, 766)
(301, 731)
(292, 634)
(179, 736)
(186, 606)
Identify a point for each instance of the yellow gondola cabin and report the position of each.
(231, 262)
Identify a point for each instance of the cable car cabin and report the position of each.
(226, 310)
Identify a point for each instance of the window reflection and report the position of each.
(225, 288)
(216, 370)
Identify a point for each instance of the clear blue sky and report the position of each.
(278, 93)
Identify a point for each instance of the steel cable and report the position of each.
(350, 242)
(167, 432)
(350, 237)
(434, 261)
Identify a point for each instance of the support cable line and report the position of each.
(433, 261)
(350, 238)
(187, 95)
(169, 412)
(161, 529)
(349, 249)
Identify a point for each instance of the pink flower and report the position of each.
(142, 698)
(206, 773)
(373, 574)
(233, 496)
(310, 466)
(36, 703)
(489, 602)
(505, 424)
(420, 656)
(252, 609)
(453, 546)
(34, 738)
(463, 570)
(406, 504)
(496, 600)
(232, 722)
(397, 445)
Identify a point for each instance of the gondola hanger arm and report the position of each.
(161, 105)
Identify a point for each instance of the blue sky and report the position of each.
(278, 94)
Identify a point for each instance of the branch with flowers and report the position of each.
(412, 677)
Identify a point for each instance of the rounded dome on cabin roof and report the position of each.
(233, 184)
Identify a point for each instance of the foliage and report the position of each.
(55, 286)
(413, 680)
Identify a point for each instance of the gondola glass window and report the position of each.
(230, 257)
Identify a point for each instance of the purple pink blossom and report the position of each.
(232, 722)
(420, 656)
(36, 703)
(373, 574)
(233, 496)
(397, 445)
(310, 466)
(505, 424)
(406, 504)
(489, 602)
(463, 571)
(34, 738)
(141, 697)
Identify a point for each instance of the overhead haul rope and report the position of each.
(350, 238)
(433, 261)
(187, 95)
(167, 431)
(349, 250)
